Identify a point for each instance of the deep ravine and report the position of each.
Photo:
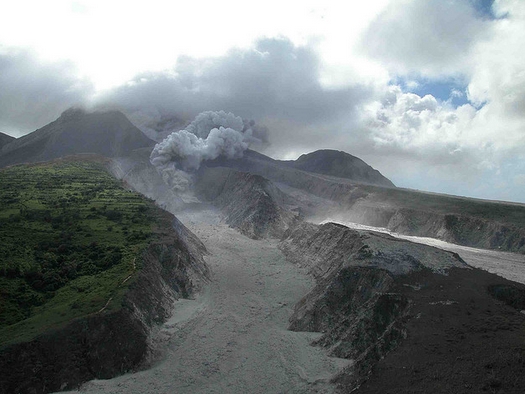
(233, 337)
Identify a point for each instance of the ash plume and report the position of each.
(210, 135)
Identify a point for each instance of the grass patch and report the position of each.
(71, 235)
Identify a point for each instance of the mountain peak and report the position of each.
(340, 164)
(5, 139)
(76, 131)
(72, 113)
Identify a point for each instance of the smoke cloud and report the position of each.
(275, 82)
(210, 135)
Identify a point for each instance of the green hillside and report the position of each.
(71, 237)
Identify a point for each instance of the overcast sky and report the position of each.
(429, 92)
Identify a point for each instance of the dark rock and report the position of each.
(5, 139)
(250, 203)
(341, 165)
(412, 318)
(108, 134)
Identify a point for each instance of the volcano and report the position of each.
(76, 131)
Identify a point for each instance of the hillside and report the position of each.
(335, 165)
(108, 134)
(464, 221)
(460, 220)
(5, 139)
(79, 250)
(249, 203)
(413, 318)
(341, 165)
(366, 298)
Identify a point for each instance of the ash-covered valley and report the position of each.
(255, 286)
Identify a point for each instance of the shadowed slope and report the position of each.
(5, 139)
(76, 131)
(413, 318)
(341, 165)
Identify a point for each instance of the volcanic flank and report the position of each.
(383, 314)
(412, 318)
(76, 131)
(88, 270)
(5, 139)
(340, 165)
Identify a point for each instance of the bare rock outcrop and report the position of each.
(250, 203)
(378, 299)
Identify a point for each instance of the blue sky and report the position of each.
(484, 8)
(373, 78)
(447, 90)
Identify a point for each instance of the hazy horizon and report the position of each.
(430, 93)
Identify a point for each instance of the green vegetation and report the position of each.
(71, 237)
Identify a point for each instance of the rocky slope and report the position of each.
(108, 134)
(5, 139)
(341, 165)
(313, 176)
(468, 222)
(330, 184)
(394, 306)
(250, 203)
(106, 344)
(136, 170)
(327, 175)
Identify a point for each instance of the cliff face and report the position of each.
(107, 344)
(250, 203)
(327, 248)
(378, 299)
(5, 139)
(360, 195)
(461, 229)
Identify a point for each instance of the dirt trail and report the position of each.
(233, 338)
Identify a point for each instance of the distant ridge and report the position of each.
(330, 163)
(76, 131)
(5, 139)
(341, 165)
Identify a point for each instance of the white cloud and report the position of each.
(33, 93)
(420, 126)
(321, 77)
(469, 150)
(456, 93)
(430, 38)
(111, 41)
(498, 76)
